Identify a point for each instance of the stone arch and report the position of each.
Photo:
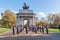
(26, 22)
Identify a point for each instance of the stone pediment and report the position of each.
(25, 12)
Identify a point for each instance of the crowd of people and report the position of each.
(20, 28)
(39, 28)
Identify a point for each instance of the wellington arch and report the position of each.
(27, 15)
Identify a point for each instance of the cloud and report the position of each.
(54, 12)
(42, 14)
(14, 11)
(45, 14)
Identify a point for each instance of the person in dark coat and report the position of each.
(32, 28)
(26, 28)
(21, 28)
(13, 29)
(17, 29)
(46, 29)
(35, 29)
(59, 27)
(42, 29)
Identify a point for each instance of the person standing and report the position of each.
(21, 28)
(35, 29)
(46, 29)
(37, 26)
(42, 29)
(17, 29)
(26, 29)
(32, 28)
(13, 29)
(59, 27)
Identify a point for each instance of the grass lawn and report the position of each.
(53, 30)
(2, 30)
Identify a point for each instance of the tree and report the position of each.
(51, 18)
(8, 18)
(43, 21)
(54, 19)
(57, 20)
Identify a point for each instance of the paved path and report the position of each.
(51, 36)
(30, 36)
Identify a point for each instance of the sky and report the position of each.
(40, 7)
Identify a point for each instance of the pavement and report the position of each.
(30, 36)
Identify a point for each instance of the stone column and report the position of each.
(22, 21)
(33, 20)
(18, 20)
(29, 21)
